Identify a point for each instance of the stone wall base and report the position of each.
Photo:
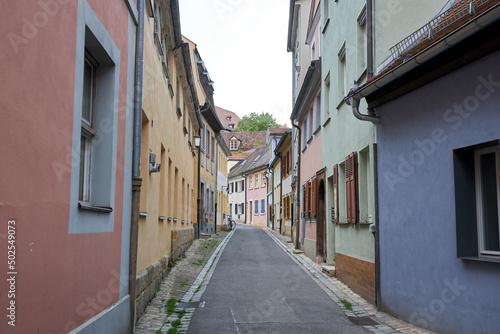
(359, 275)
(181, 240)
(147, 283)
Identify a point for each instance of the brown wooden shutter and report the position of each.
(351, 171)
(313, 197)
(336, 193)
(289, 158)
(304, 200)
(308, 196)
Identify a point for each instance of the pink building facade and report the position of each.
(256, 197)
(66, 148)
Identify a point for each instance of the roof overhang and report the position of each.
(307, 93)
(208, 112)
(469, 42)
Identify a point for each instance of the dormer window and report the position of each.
(233, 144)
(228, 118)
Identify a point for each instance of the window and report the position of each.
(313, 196)
(342, 73)
(335, 194)
(212, 201)
(351, 186)
(262, 206)
(362, 39)
(233, 144)
(250, 182)
(262, 178)
(326, 97)
(257, 180)
(477, 189)
(207, 149)
(487, 197)
(304, 134)
(243, 185)
(256, 206)
(313, 51)
(236, 186)
(310, 121)
(88, 130)
(317, 124)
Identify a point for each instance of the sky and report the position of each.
(243, 44)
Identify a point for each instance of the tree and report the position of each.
(256, 122)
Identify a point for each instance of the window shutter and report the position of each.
(308, 198)
(336, 193)
(289, 161)
(304, 201)
(351, 179)
(313, 192)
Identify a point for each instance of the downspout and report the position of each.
(271, 218)
(354, 103)
(216, 179)
(281, 195)
(369, 41)
(378, 298)
(136, 159)
(198, 200)
(297, 188)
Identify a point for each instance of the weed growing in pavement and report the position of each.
(158, 331)
(172, 330)
(181, 313)
(198, 262)
(346, 304)
(176, 323)
(171, 264)
(170, 305)
(183, 255)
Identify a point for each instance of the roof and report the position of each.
(227, 117)
(312, 82)
(255, 161)
(247, 139)
(439, 46)
(276, 131)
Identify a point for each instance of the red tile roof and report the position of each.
(247, 139)
(227, 117)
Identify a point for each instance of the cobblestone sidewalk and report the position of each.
(188, 277)
(339, 291)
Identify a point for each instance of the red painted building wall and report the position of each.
(62, 279)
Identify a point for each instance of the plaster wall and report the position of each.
(419, 265)
(163, 134)
(236, 198)
(59, 272)
(255, 195)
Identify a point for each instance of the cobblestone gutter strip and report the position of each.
(182, 316)
(338, 291)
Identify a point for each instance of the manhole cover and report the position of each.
(188, 305)
(363, 321)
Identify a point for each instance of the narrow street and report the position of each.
(257, 288)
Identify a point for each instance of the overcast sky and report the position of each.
(243, 44)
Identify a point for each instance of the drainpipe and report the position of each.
(216, 179)
(378, 300)
(354, 103)
(271, 174)
(369, 41)
(297, 189)
(198, 200)
(136, 158)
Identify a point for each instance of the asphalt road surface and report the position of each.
(257, 288)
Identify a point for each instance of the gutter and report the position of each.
(290, 25)
(458, 35)
(186, 55)
(176, 20)
(136, 158)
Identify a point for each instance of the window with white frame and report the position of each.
(88, 131)
(257, 180)
(310, 115)
(317, 111)
(487, 200)
(233, 144)
(342, 73)
(477, 201)
(362, 39)
(304, 133)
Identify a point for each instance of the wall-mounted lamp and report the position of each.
(153, 166)
(197, 141)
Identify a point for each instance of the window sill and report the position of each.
(171, 90)
(185, 130)
(341, 103)
(309, 141)
(326, 25)
(482, 259)
(161, 218)
(316, 132)
(179, 112)
(304, 149)
(326, 121)
(143, 214)
(88, 207)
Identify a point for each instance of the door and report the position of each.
(320, 217)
